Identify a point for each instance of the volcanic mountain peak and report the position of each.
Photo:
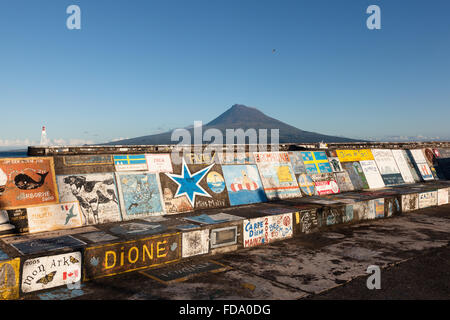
(242, 117)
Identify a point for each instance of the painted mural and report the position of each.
(95, 192)
(277, 175)
(325, 183)
(26, 182)
(51, 271)
(159, 162)
(344, 182)
(402, 164)
(194, 186)
(421, 164)
(356, 175)
(354, 155)
(316, 162)
(54, 217)
(195, 243)
(130, 162)
(410, 202)
(373, 177)
(9, 279)
(388, 167)
(139, 195)
(243, 184)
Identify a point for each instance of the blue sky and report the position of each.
(142, 67)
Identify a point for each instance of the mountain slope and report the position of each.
(242, 117)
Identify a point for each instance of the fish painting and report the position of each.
(25, 182)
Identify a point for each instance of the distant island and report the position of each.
(241, 117)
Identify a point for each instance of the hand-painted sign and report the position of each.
(47, 244)
(194, 186)
(254, 232)
(195, 243)
(356, 175)
(111, 259)
(9, 279)
(354, 155)
(27, 182)
(51, 271)
(309, 221)
(422, 164)
(428, 199)
(277, 175)
(243, 184)
(325, 183)
(410, 202)
(213, 218)
(139, 194)
(316, 162)
(387, 166)
(96, 194)
(297, 162)
(19, 219)
(279, 226)
(130, 162)
(373, 177)
(159, 162)
(379, 207)
(306, 184)
(335, 164)
(344, 182)
(267, 229)
(54, 217)
(399, 157)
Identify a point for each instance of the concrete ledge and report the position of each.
(40, 261)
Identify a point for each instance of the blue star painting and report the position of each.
(195, 186)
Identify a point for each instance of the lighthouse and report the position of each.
(44, 139)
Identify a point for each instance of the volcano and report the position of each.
(241, 117)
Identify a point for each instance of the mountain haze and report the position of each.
(241, 117)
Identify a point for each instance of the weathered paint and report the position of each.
(77, 164)
(373, 177)
(428, 199)
(183, 271)
(54, 217)
(195, 243)
(9, 279)
(277, 175)
(354, 155)
(139, 194)
(387, 166)
(116, 258)
(51, 271)
(40, 245)
(96, 193)
(410, 202)
(30, 182)
(159, 162)
(130, 162)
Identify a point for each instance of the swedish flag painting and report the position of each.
(130, 162)
(316, 162)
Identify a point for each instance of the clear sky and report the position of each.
(142, 67)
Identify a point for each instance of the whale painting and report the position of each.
(27, 182)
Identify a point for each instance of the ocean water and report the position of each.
(13, 154)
